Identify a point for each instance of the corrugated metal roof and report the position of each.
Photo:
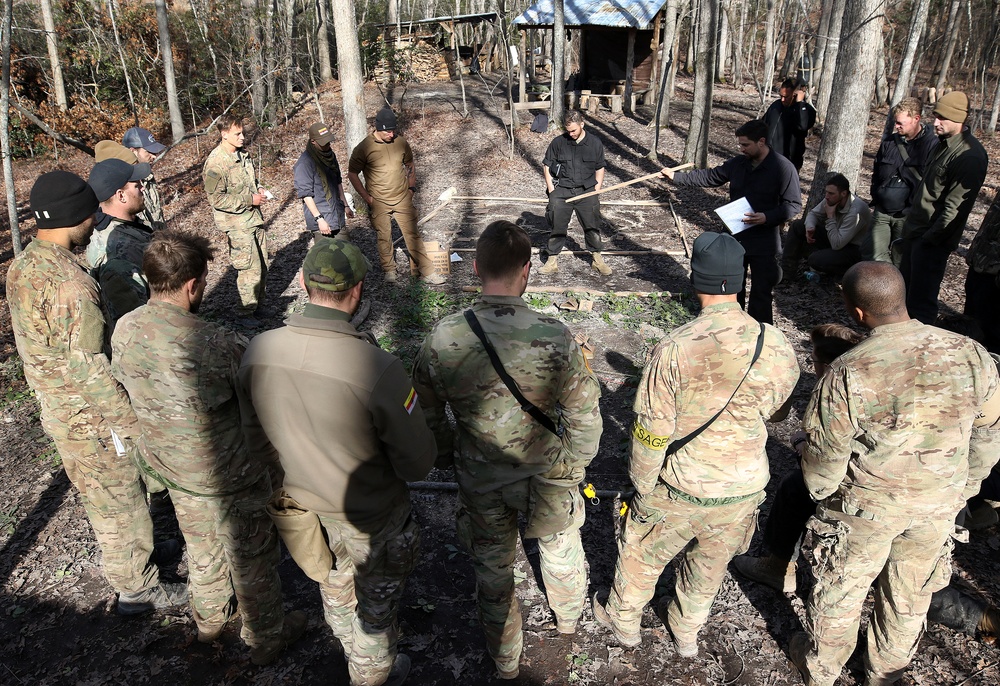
(637, 14)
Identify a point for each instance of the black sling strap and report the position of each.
(681, 442)
(511, 385)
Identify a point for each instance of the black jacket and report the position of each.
(787, 128)
(889, 163)
(771, 188)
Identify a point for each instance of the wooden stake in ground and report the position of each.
(647, 177)
(444, 199)
(680, 228)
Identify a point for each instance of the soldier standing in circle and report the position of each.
(180, 374)
(386, 160)
(146, 148)
(60, 334)
(235, 197)
(574, 165)
(342, 418)
(505, 460)
(900, 431)
(717, 378)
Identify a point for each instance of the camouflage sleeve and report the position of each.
(581, 413)
(88, 368)
(984, 442)
(830, 423)
(216, 187)
(655, 418)
(432, 399)
(400, 424)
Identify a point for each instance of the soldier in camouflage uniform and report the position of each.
(505, 460)
(899, 434)
(180, 373)
(235, 197)
(342, 418)
(146, 148)
(60, 334)
(120, 237)
(982, 283)
(705, 494)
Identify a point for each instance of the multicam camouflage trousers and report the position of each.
(406, 216)
(487, 527)
(232, 549)
(659, 526)
(910, 559)
(112, 496)
(361, 596)
(248, 253)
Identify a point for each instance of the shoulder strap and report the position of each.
(681, 442)
(509, 382)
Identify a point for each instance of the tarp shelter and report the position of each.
(618, 40)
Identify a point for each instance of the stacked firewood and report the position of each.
(416, 60)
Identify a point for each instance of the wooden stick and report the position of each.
(445, 198)
(564, 289)
(543, 201)
(647, 177)
(536, 251)
(680, 229)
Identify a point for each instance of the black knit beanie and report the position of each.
(60, 199)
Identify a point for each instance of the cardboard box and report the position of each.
(440, 258)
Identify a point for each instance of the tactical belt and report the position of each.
(707, 502)
(509, 382)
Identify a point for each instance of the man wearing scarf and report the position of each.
(319, 184)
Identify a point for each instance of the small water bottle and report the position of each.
(812, 277)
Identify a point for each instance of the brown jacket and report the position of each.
(340, 413)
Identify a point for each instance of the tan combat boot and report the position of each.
(600, 265)
(769, 570)
(551, 265)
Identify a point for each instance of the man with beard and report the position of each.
(60, 333)
(770, 185)
(180, 373)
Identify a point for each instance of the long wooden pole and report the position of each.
(647, 177)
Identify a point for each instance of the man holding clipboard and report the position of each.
(769, 184)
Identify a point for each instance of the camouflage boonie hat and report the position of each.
(334, 265)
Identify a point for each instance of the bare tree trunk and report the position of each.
(349, 72)
(769, 51)
(696, 146)
(904, 80)
(881, 77)
(629, 72)
(558, 110)
(995, 111)
(8, 166)
(822, 40)
(258, 88)
(58, 87)
(951, 31)
(121, 56)
(738, 44)
(173, 105)
(323, 40)
(722, 54)
(847, 124)
(833, 46)
(289, 61)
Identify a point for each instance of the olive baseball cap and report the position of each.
(320, 134)
(112, 150)
(334, 264)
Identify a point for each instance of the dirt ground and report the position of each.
(57, 620)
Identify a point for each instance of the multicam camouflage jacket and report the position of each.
(152, 214)
(59, 329)
(230, 183)
(180, 372)
(690, 376)
(889, 424)
(497, 442)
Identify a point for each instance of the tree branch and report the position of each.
(61, 137)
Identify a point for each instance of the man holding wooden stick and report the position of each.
(574, 165)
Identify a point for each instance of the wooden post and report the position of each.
(522, 69)
(654, 80)
(629, 71)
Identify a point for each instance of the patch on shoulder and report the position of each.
(411, 401)
(504, 311)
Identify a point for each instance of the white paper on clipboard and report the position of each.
(733, 214)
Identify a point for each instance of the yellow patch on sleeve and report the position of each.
(651, 441)
(411, 401)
